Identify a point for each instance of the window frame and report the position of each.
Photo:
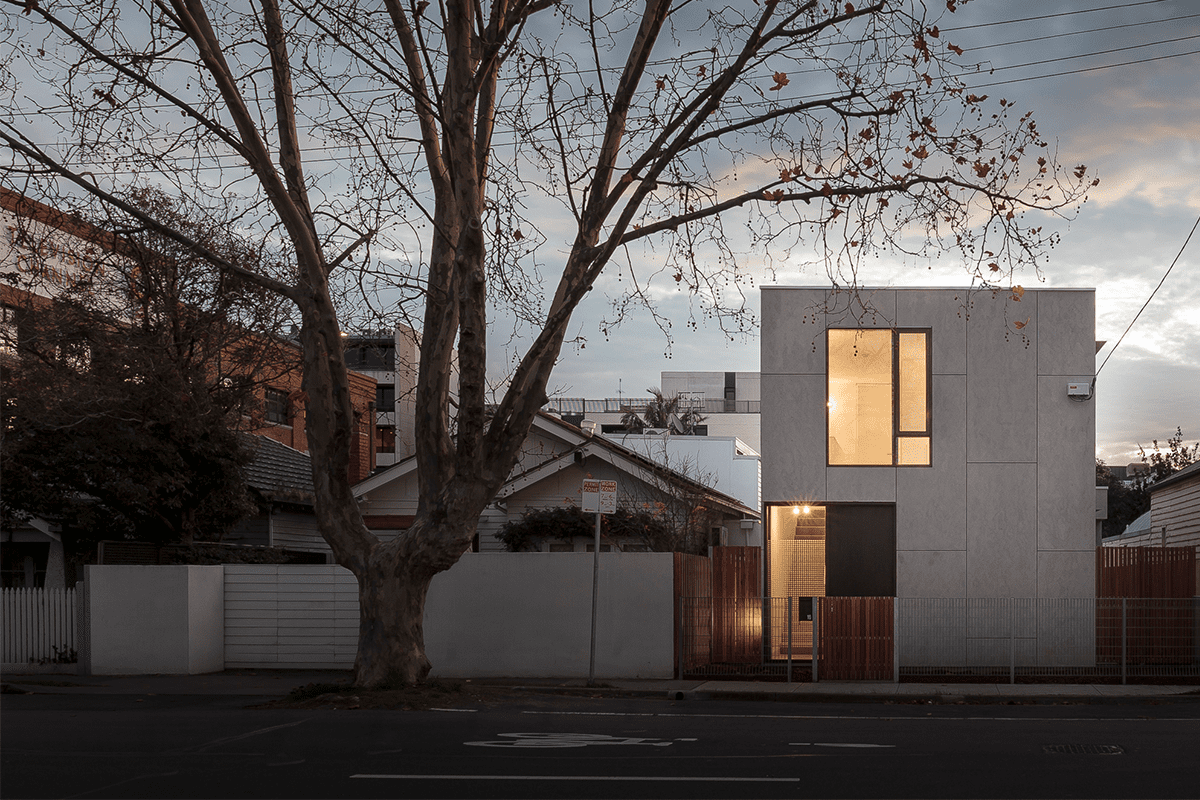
(268, 411)
(897, 433)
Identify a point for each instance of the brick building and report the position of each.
(44, 252)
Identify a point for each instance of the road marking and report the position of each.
(240, 736)
(837, 744)
(686, 740)
(681, 779)
(456, 710)
(855, 717)
(543, 740)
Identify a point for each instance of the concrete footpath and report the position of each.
(267, 682)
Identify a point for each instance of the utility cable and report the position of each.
(1151, 297)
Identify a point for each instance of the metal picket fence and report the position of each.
(37, 626)
(801, 639)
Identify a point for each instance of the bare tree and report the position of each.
(676, 493)
(485, 143)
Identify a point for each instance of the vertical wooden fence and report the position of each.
(693, 581)
(737, 605)
(855, 638)
(1145, 614)
(1145, 572)
(37, 626)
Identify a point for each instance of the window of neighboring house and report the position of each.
(76, 355)
(276, 403)
(8, 331)
(376, 357)
(385, 397)
(877, 407)
(385, 439)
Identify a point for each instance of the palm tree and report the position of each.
(668, 413)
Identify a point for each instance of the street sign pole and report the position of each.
(595, 596)
(600, 497)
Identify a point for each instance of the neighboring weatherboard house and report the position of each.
(927, 446)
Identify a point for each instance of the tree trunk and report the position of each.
(392, 585)
(391, 634)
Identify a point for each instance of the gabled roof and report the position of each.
(1190, 471)
(585, 446)
(279, 472)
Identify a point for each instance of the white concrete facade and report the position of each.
(1007, 508)
(161, 619)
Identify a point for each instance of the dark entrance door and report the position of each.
(860, 550)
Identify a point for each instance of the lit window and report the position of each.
(878, 398)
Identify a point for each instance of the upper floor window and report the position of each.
(878, 397)
(276, 406)
(8, 331)
(385, 397)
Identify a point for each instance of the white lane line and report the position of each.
(692, 778)
(456, 710)
(837, 744)
(847, 716)
(239, 737)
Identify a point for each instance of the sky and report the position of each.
(1133, 117)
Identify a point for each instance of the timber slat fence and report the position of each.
(37, 626)
(884, 638)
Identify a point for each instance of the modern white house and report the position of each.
(929, 443)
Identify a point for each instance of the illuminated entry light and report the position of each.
(807, 510)
(796, 510)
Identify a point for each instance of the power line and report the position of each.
(1051, 16)
(1151, 297)
(1084, 69)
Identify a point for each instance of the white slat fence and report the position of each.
(37, 625)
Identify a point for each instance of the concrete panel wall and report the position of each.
(931, 504)
(1012, 475)
(154, 619)
(794, 452)
(1001, 380)
(1001, 530)
(529, 614)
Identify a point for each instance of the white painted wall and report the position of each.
(146, 620)
(529, 615)
(524, 615)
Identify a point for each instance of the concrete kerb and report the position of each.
(267, 682)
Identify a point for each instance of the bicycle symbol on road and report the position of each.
(554, 740)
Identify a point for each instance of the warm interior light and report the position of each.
(807, 510)
(796, 510)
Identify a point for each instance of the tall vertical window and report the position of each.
(878, 398)
(276, 406)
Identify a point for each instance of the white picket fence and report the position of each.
(37, 625)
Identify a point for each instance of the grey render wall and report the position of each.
(1007, 509)
(522, 615)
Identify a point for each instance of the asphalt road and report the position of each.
(191, 746)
